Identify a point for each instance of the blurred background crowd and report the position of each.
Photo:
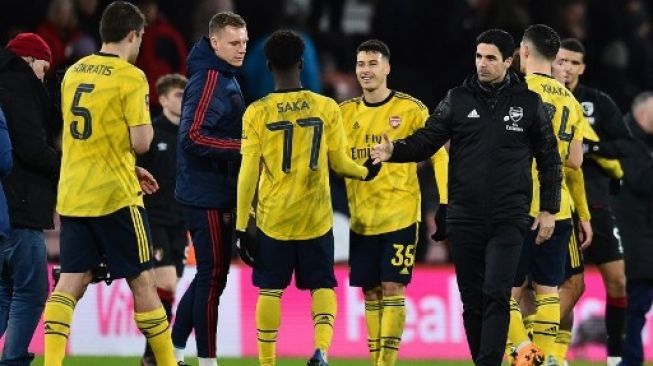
(432, 45)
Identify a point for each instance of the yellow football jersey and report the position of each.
(567, 119)
(392, 200)
(102, 96)
(292, 131)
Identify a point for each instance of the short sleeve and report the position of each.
(580, 122)
(250, 140)
(136, 98)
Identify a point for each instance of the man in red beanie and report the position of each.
(30, 189)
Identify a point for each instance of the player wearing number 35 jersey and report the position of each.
(290, 139)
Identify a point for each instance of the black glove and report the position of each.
(440, 223)
(372, 170)
(246, 247)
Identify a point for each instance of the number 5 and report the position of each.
(79, 111)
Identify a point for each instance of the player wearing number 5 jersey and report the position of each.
(106, 121)
(385, 212)
(295, 136)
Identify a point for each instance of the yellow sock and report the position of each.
(562, 342)
(323, 309)
(528, 324)
(392, 326)
(516, 331)
(546, 322)
(268, 320)
(57, 317)
(373, 313)
(154, 326)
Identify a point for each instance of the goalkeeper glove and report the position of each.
(246, 247)
(372, 170)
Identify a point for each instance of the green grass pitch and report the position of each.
(134, 361)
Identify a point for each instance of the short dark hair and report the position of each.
(374, 45)
(225, 19)
(573, 45)
(118, 19)
(545, 40)
(500, 38)
(170, 81)
(284, 49)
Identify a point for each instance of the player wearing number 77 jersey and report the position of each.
(294, 136)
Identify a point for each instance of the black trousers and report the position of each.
(486, 257)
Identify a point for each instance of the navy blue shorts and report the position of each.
(120, 239)
(545, 263)
(575, 260)
(311, 260)
(387, 257)
(606, 246)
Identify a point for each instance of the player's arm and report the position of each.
(247, 180)
(135, 101)
(441, 168)
(549, 166)
(200, 119)
(339, 161)
(578, 122)
(422, 144)
(141, 138)
(576, 183)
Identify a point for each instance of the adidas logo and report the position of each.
(405, 271)
(473, 114)
(356, 125)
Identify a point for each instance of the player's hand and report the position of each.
(585, 234)
(246, 247)
(148, 184)
(382, 152)
(440, 224)
(372, 169)
(545, 221)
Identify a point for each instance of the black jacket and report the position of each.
(607, 121)
(161, 161)
(494, 132)
(634, 204)
(31, 187)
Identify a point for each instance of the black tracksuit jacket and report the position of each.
(495, 132)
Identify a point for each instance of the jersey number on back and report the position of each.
(287, 128)
(564, 118)
(83, 132)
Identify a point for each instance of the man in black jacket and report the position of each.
(496, 126)
(634, 211)
(165, 215)
(30, 191)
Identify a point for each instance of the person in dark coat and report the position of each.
(30, 189)
(634, 211)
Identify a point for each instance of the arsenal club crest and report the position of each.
(516, 114)
(395, 121)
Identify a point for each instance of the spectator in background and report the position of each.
(60, 32)
(165, 215)
(6, 161)
(30, 189)
(634, 209)
(163, 50)
(88, 18)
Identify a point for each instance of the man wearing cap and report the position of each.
(30, 190)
